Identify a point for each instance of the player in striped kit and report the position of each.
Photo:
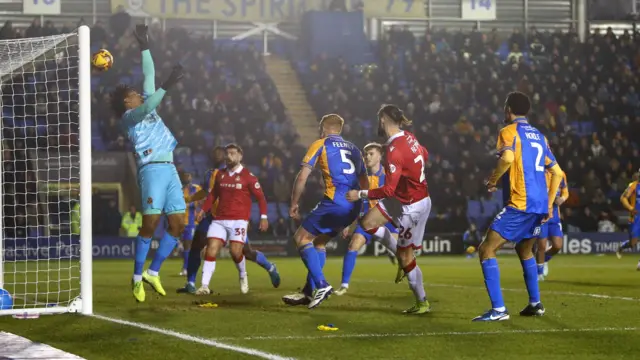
(372, 158)
(630, 199)
(157, 175)
(190, 221)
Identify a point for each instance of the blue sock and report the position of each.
(262, 261)
(322, 257)
(529, 267)
(185, 259)
(167, 244)
(142, 249)
(193, 266)
(540, 269)
(547, 257)
(491, 274)
(348, 264)
(625, 245)
(311, 260)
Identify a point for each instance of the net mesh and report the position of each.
(40, 170)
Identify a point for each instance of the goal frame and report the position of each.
(84, 302)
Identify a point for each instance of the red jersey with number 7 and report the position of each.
(233, 190)
(404, 165)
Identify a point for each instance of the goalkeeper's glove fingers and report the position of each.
(176, 75)
(141, 35)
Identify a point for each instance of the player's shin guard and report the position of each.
(416, 283)
(491, 274)
(530, 273)
(142, 249)
(242, 267)
(262, 261)
(386, 238)
(207, 270)
(348, 264)
(311, 260)
(167, 244)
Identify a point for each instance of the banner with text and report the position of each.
(261, 10)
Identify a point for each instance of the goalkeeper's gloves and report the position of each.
(141, 35)
(176, 75)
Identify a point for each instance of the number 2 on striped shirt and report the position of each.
(540, 150)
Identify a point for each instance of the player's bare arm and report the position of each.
(298, 189)
(504, 163)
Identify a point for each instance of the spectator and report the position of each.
(35, 29)
(119, 22)
(280, 229)
(131, 222)
(471, 239)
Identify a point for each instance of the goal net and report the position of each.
(45, 244)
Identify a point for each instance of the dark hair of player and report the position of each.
(234, 146)
(518, 103)
(117, 98)
(395, 114)
(373, 145)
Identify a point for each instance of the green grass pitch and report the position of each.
(593, 308)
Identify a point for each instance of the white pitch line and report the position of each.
(453, 286)
(199, 340)
(429, 334)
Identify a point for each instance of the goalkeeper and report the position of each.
(160, 186)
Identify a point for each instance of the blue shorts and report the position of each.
(634, 229)
(160, 189)
(550, 229)
(328, 217)
(188, 233)
(515, 225)
(367, 236)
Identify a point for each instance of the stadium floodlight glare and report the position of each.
(45, 92)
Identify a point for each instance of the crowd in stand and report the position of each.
(452, 85)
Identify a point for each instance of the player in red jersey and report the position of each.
(233, 188)
(406, 183)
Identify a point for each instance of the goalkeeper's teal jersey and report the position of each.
(151, 138)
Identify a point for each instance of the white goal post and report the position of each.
(45, 165)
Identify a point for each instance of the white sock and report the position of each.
(344, 285)
(242, 267)
(534, 303)
(137, 278)
(387, 239)
(152, 273)
(207, 272)
(416, 284)
(500, 309)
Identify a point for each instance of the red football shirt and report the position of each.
(233, 190)
(405, 160)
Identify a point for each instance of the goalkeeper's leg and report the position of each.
(143, 243)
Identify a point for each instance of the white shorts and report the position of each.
(411, 221)
(228, 230)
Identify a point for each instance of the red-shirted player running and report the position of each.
(407, 184)
(233, 188)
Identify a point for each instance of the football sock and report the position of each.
(193, 265)
(547, 257)
(416, 283)
(310, 257)
(491, 273)
(348, 264)
(167, 244)
(142, 249)
(242, 267)
(262, 261)
(531, 280)
(386, 238)
(207, 270)
(625, 245)
(540, 269)
(185, 259)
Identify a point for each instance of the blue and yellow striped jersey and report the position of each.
(632, 193)
(192, 208)
(526, 182)
(340, 162)
(375, 181)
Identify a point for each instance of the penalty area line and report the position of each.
(431, 334)
(199, 340)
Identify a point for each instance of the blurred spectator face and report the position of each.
(372, 157)
(219, 154)
(233, 158)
